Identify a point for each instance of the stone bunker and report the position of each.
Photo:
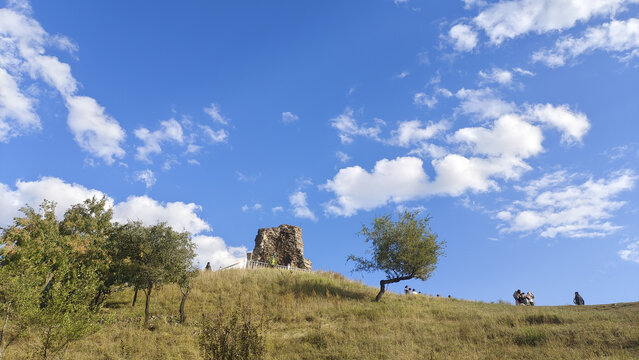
(285, 242)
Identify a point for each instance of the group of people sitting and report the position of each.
(522, 298)
(409, 291)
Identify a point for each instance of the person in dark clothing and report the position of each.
(208, 266)
(517, 295)
(578, 300)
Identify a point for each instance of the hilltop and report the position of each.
(325, 316)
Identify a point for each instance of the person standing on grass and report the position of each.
(578, 300)
(406, 290)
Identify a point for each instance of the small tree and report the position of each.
(405, 249)
(149, 257)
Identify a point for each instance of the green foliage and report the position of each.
(531, 337)
(148, 257)
(407, 247)
(237, 336)
(47, 284)
(403, 249)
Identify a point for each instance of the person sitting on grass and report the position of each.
(578, 300)
(406, 290)
(517, 295)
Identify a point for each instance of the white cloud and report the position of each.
(213, 135)
(277, 209)
(348, 128)
(423, 99)
(509, 19)
(288, 117)
(25, 41)
(497, 75)
(170, 131)
(395, 180)
(429, 150)
(402, 75)
(193, 162)
(616, 36)
(255, 207)
(147, 177)
(180, 216)
(300, 206)
(213, 249)
(523, 71)
(573, 125)
(414, 132)
(93, 130)
(214, 112)
(343, 157)
(631, 253)
(483, 103)
(463, 37)
(553, 206)
(17, 113)
(34, 192)
(470, 3)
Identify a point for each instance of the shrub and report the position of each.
(235, 336)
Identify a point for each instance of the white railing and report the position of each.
(252, 264)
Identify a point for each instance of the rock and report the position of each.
(285, 241)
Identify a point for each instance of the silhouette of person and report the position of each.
(207, 267)
(578, 300)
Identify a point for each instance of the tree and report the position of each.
(45, 286)
(405, 249)
(149, 257)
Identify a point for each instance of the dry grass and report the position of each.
(324, 316)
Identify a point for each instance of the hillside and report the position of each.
(324, 316)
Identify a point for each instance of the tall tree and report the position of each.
(404, 249)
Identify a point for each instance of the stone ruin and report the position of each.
(284, 241)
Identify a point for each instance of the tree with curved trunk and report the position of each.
(404, 249)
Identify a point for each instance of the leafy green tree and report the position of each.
(404, 249)
(45, 287)
(89, 225)
(149, 257)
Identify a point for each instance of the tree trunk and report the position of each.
(184, 296)
(135, 296)
(382, 284)
(4, 328)
(147, 292)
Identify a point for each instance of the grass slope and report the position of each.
(324, 316)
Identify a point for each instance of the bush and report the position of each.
(237, 336)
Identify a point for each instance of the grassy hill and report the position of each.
(324, 316)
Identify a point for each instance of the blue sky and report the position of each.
(513, 124)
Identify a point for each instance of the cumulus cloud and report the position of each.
(617, 36)
(555, 206)
(573, 125)
(213, 249)
(348, 128)
(17, 114)
(422, 99)
(147, 177)
(631, 253)
(483, 103)
(24, 42)
(395, 180)
(93, 130)
(170, 131)
(288, 117)
(277, 209)
(214, 112)
(300, 206)
(476, 159)
(414, 132)
(497, 75)
(463, 37)
(179, 215)
(509, 19)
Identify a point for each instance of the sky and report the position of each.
(513, 124)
